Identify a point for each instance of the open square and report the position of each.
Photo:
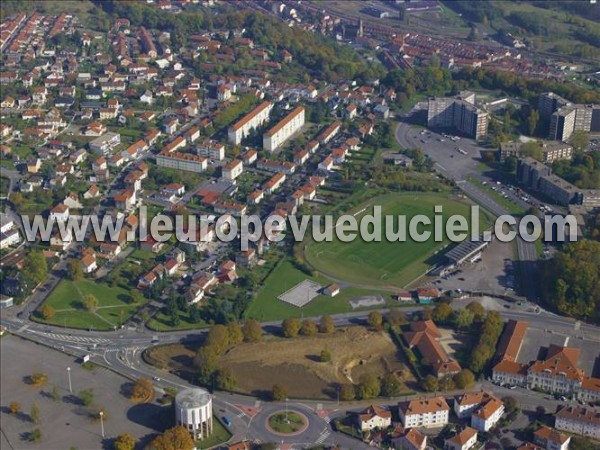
(301, 294)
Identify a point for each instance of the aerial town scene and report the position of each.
(299, 224)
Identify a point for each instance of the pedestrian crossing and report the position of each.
(323, 436)
(73, 339)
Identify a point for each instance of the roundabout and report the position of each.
(287, 423)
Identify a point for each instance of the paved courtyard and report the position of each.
(66, 423)
(301, 294)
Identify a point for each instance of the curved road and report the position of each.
(121, 351)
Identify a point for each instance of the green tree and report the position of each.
(532, 149)
(477, 310)
(206, 361)
(90, 302)
(441, 313)
(176, 438)
(218, 338)
(325, 355)
(236, 336)
(291, 327)
(396, 318)
(38, 379)
(124, 441)
(326, 324)
(430, 384)
(279, 393)
(35, 268)
(252, 331)
(34, 414)
(375, 320)
(532, 121)
(580, 141)
(54, 394)
(74, 270)
(86, 397)
(390, 385)
(14, 407)
(35, 435)
(464, 319)
(464, 379)
(226, 380)
(142, 391)
(368, 387)
(47, 312)
(347, 392)
(308, 328)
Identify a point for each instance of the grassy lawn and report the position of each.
(162, 322)
(385, 263)
(66, 299)
(287, 423)
(266, 306)
(219, 435)
(511, 207)
(4, 185)
(143, 255)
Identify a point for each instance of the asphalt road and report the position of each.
(121, 351)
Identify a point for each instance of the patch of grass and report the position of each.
(387, 263)
(4, 184)
(67, 300)
(289, 422)
(162, 322)
(511, 207)
(266, 306)
(219, 435)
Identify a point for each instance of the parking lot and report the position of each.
(536, 337)
(66, 423)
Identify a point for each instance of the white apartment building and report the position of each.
(254, 119)
(181, 161)
(233, 169)
(484, 409)
(211, 150)
(431, 412)
(577, 420)
(488, 415)
(285, 129)
(105, 143)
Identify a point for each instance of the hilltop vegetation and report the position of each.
(566, 27)
(321, 57)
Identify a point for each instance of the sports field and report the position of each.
(388, 263)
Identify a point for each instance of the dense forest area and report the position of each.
(572, 284)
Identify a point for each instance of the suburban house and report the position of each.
(374, 417)
(412, 439)
(464, 440)
(484, 409)
(551, 439)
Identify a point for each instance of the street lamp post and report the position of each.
(69, 375)
(337, 391)
(286, 410)
(102, 422)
